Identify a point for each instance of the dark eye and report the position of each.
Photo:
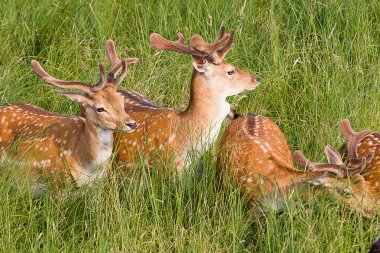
(231, 72)
(100, 109)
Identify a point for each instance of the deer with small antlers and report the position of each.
(255, 151)
(356, 180)
(179, 134)
(59, 147)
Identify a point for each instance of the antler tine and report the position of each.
(300, 158)
(222, 32)
(181, 38)
(223, 51)
(117, 64)
(37, 68)
(112, 57)
(102, 81)
(124, 64)
(198, 43)
(352, 137)
(159, 43)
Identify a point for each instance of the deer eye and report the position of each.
(100, 109)
(231, 72)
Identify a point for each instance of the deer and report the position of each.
(57, 148)
(182, 136)
(357, 185)
(255, 153)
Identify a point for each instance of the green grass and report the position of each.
(319, 62)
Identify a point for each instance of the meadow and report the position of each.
(319, 62)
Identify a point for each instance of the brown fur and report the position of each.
(59, 147)
(355, 178)
(366, 186)
(255, 151)
(196, 128)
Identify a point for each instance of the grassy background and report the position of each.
(318, 61)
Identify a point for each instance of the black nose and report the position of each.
(132, 125)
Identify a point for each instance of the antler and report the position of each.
(37, 68)
(335, 164)
(116, 64)
(352, 137)
(223, 51)
(197, 47)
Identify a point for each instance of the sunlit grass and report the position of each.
(318, 62)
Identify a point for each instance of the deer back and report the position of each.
(256, 151)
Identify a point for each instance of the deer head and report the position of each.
(344, 181)
(103, 105)
(208, 61)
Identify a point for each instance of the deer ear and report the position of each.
(201, 64)
(81, 98)
(333, 156)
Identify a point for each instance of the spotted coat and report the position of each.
(255, 151)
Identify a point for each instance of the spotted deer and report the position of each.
(356, 177)
(180, 133)
(58, 147)
(254, 151)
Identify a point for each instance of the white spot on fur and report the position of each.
(171, 138)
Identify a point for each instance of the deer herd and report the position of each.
(118, 127)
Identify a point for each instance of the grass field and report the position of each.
(319, 62)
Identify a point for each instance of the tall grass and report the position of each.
(318, 61)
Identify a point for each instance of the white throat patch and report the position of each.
(97, 168)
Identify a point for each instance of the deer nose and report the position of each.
(255, 79)
(131, 125)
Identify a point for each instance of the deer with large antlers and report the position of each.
(58, 147)
(356, 180)
(255, 152)
(193, 130)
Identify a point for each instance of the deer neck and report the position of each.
(95, 146)
(207, 108)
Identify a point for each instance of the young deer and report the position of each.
(255, 151)
(359, 186)
(59, 147)
(196, 128)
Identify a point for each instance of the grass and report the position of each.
(318, 61)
